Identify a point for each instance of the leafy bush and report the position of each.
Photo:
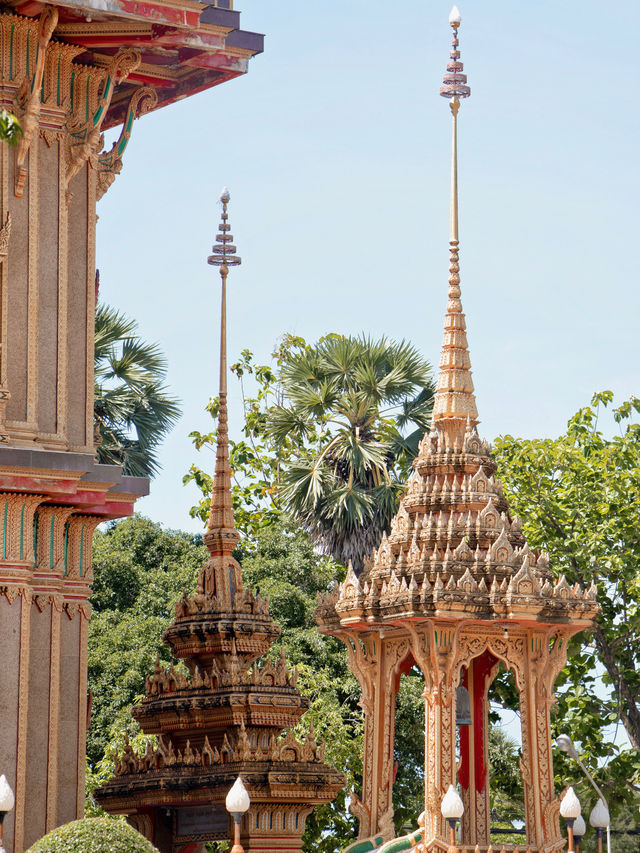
(94, 835)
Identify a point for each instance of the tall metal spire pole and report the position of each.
(454, 404)
(222, 536)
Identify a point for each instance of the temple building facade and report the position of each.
(224, 717)
(69, 71)
(455, 590)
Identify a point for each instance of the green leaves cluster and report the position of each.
(329, 439)
(133, 410)
(140, 572)
(579, 499)
(10, 130)
(94, 835)
(347, 403)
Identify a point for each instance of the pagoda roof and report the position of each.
(186, 46)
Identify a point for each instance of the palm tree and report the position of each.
(132, 408)
(348, 404)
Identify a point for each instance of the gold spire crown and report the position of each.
(454, 406)
(221, 536)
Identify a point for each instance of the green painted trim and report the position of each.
(364, 846)
(51, 544)
(22, 531)
(105, 95)
(13, 26)
(81, 549)
(127, 133)
(36, 519)
(66, 543)
(4, 536)
(405, 842)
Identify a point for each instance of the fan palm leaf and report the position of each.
(362, 406)
(133, 408)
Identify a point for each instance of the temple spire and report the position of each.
(454, 405)
(221, 536)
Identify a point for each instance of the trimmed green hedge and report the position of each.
(93, 835)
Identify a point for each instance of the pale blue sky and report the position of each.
(335, 147)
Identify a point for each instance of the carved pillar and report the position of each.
(375, 662)
(547, 654)
(433, 647)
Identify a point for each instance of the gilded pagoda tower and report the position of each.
(225, 717)
(68, 71)
(456, 590)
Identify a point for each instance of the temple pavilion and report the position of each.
(224, 717)
(455, 590)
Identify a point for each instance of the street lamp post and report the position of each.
(452, 809)
(565, 743)
(599, 820)
(7, 801)
(579, 829)
(237, 804)
(570, 811)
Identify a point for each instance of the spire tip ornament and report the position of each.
(454, 405)
(221, 536)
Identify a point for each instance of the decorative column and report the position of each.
(547, 654)
(376, 662)
(433, 645)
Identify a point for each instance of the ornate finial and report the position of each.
(454, 82)
(221, 536)
(454, 406)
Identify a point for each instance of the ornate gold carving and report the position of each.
(5, 235)
(84, 138)
(109, 163)
(79, 540)
(143, 824)
(28, 99)
(50, 537)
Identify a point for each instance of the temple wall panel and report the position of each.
(77, 312)
(9, 677)
(48, 280)
(17, 299)
(38, 725)
(70, 703)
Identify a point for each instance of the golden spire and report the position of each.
(221, 536)
(454, 404)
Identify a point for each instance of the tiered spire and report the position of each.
(222, 537)
(224, 716)
(454, 539)
(454, 403)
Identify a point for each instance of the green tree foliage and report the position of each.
(579, 499)
(94, 835)
(133, 410)
(140, 572)
(256, 461)
(348, 402)
(505, 784)
(10, 130)
(325, 439)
